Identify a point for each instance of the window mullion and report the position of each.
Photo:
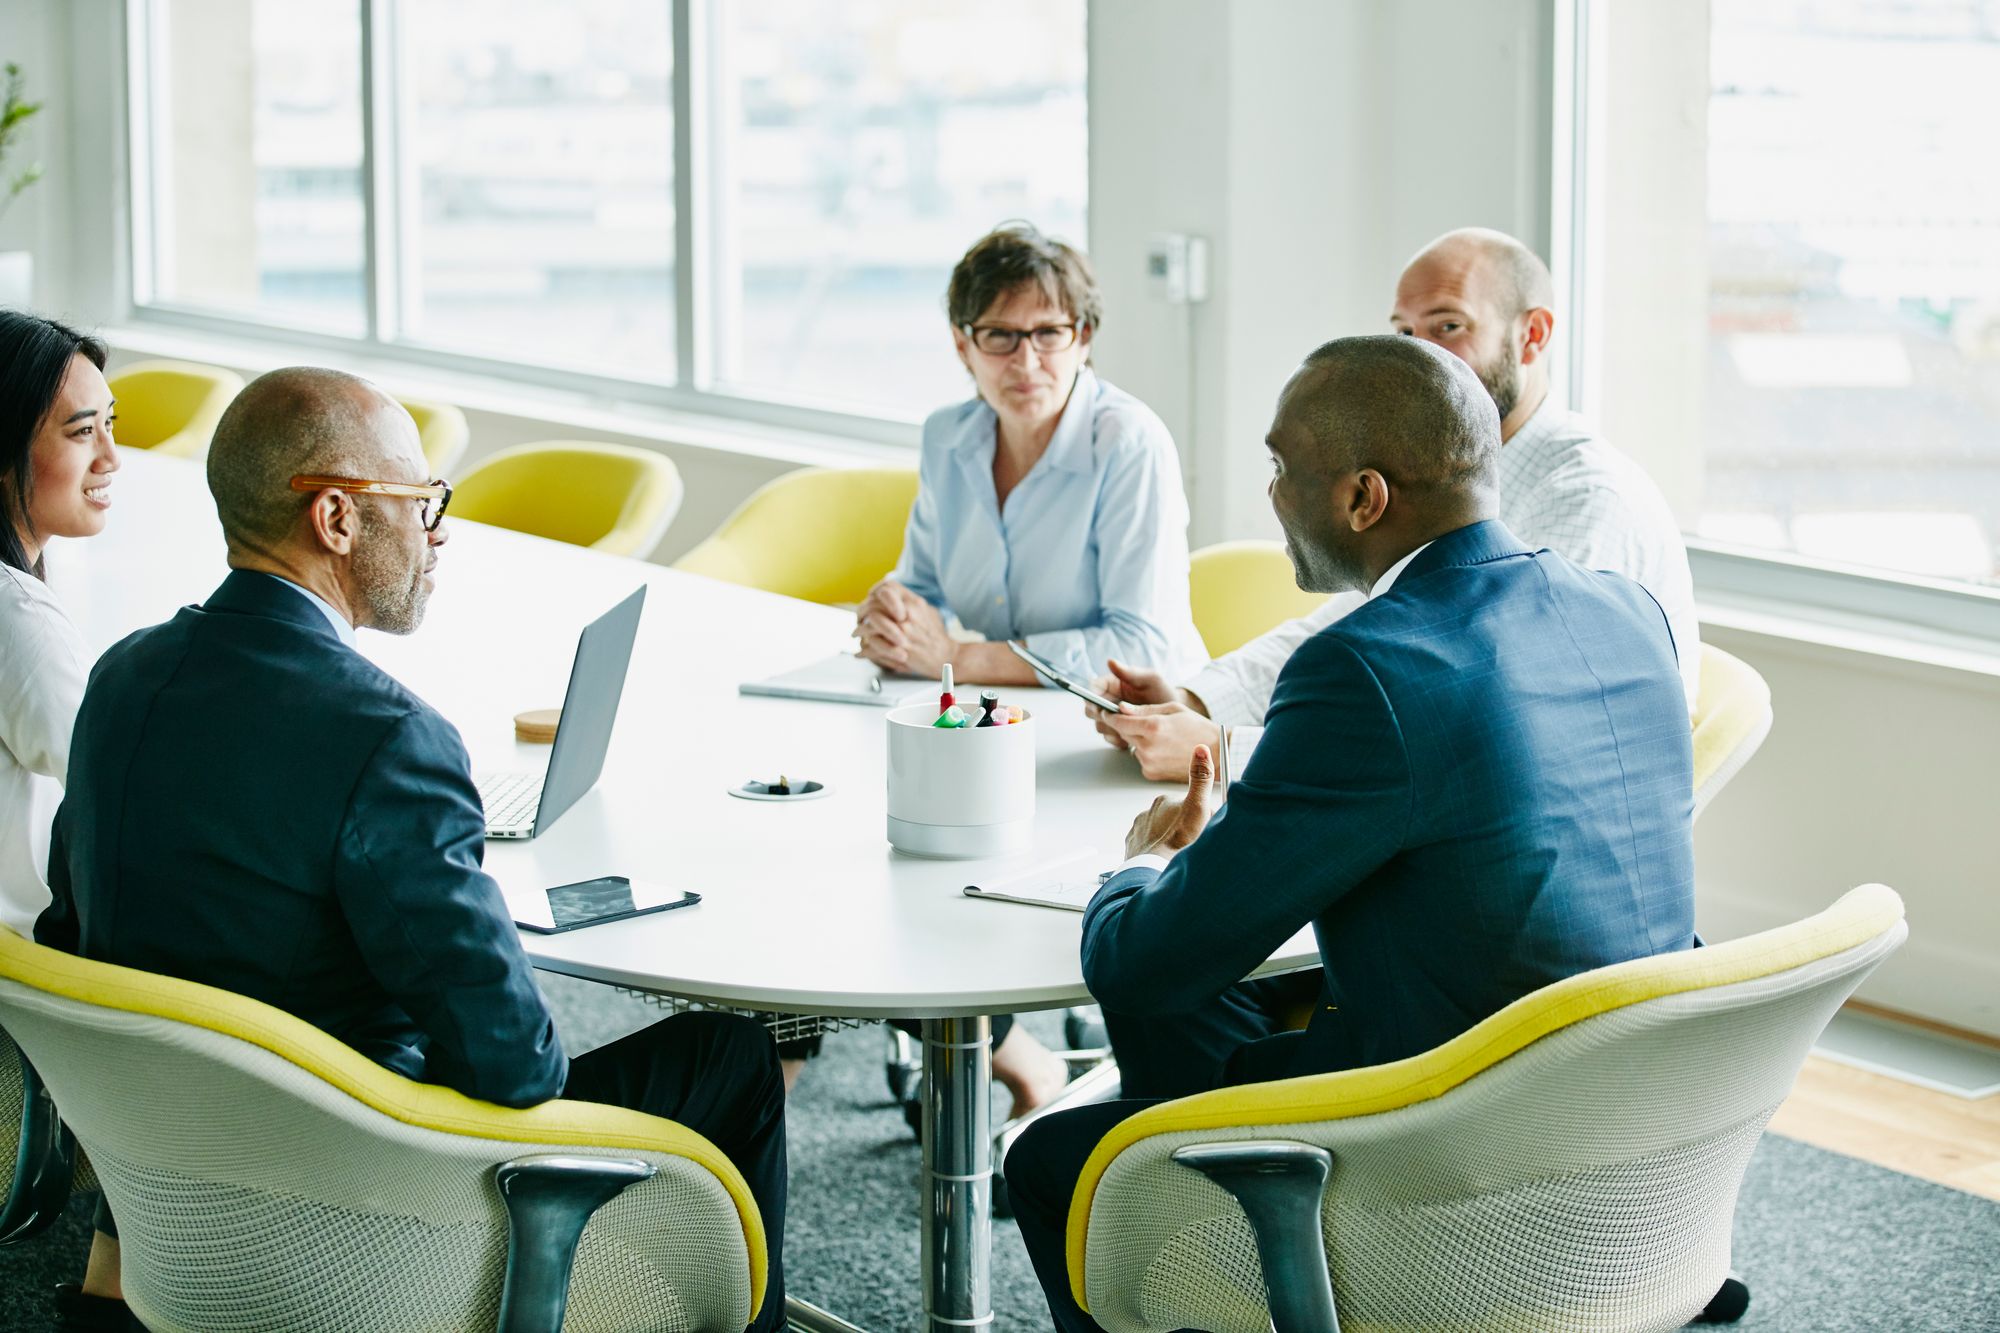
(382, 192)
(691, 277)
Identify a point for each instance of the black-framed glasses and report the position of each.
(435, 495)
(997, 341)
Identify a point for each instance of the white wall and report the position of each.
(1317, 145)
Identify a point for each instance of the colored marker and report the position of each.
(988, 701)
(945, 699)
(953, 716)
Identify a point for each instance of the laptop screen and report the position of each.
(589, 708)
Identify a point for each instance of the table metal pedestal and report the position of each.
(958, 1168)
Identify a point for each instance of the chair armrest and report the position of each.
(44, 1161)
(550, 1199)
(1280, 1186)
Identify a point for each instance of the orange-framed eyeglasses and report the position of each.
(436, 495)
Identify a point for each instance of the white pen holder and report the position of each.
(957, 792)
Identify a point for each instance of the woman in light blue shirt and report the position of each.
(1049, 507)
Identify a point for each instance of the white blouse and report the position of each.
(43, 665)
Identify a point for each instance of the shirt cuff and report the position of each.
(1223, 695)
(1149, 860)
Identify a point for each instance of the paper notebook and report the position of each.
(1067, 885)
(842, 679)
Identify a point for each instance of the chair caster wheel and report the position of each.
(1728, 1304)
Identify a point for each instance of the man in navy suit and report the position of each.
(256, 806)
(1475, 784)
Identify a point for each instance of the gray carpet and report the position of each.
(1828, 1244)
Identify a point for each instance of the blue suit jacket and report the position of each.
(1478, 783)
(256, 806)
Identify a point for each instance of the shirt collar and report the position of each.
(1518, 461)
(1069, 448)
(338, 621)
(1389, 575)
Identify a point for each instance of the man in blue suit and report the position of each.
(256, 806)
(1475, 784)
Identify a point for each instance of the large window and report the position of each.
(1793, 290)
(1853, 395)
(538, 186)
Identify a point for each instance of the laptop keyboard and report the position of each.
(510, 798)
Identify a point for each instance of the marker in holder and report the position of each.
(957, 792)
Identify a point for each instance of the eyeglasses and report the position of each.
(435, 495)
(996, 341)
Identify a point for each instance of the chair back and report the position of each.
(265, 1176)
(823, 535)
(1571, 1162)
(171, 407)
(610, 497)
(1240, 590)
(1732, 717)
(441, 430)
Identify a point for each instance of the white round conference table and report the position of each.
(805, 907)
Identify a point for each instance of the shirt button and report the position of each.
(999, 601)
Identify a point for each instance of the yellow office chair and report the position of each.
(1571, 1162)
(1241, 589)
(1732, 717)
(171, 407)
(442, 431)
(820, 534)
(265, 1176)
(610, 497)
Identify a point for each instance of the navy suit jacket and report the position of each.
(254, 805)
(1474, 785)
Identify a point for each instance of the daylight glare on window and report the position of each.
(1854, 270)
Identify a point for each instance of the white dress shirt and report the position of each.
(43, 664)
(1089, 559)
(1561, 487)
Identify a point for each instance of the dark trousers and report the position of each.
(718, 1075)
(807, 1048)
(1239, 1037)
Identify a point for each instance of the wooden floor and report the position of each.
(1932, 1135)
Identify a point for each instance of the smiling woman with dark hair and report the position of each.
(56, 462)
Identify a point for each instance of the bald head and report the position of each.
(1487, 299)
(1414, 413)
(1379, 445)
(300, 420)
(1504, 271)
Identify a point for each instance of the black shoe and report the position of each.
(78, 1313)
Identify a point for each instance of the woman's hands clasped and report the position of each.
(901, 632)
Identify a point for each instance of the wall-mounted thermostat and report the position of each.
(1177, 268)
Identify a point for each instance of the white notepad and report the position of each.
(1067, 885)
(842, 679)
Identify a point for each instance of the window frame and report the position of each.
(388, 196)
(1819, 588)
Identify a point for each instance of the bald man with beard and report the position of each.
(1487, 299)
(256, 806)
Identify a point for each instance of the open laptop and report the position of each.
(522, 805)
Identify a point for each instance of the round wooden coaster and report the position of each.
(537, 726)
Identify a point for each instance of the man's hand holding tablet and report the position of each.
(1158, 723)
